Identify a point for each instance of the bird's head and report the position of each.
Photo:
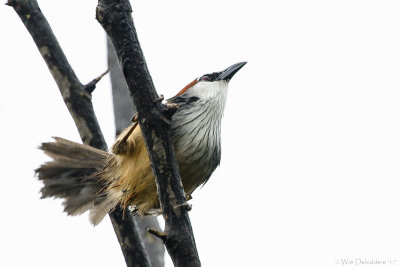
(208, 87)
(196, 125)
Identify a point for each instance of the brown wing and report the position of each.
(131, 181)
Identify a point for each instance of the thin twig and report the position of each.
(89, 88)
(185, 205)
(163, 236)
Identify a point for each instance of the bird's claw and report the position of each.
(169, 110)
(160, 99)
(135, 117)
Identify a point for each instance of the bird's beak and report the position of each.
(228, 73)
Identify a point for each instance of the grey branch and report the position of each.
(115, 17)
(81, 109)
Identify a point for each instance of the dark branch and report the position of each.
(154, 247)
(131, 243)
(81, 110)
(72, 90)
(115, 18)
(123, 110)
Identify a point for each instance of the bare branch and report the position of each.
(127, 231)
(81, 110)
(72, 90)
(115, 17)
(123, 109)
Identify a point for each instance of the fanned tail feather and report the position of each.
(74, 175)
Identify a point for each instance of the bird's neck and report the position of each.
(196, 127)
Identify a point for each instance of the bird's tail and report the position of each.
(74, 174)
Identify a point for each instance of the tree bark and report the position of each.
(78, 101)
(123, 112)
(115, 18)
(129, 238)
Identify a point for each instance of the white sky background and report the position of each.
(311, 136)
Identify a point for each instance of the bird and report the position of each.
(90, 179)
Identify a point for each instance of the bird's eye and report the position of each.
(205, 78)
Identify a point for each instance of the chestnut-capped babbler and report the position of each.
(95, 180)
